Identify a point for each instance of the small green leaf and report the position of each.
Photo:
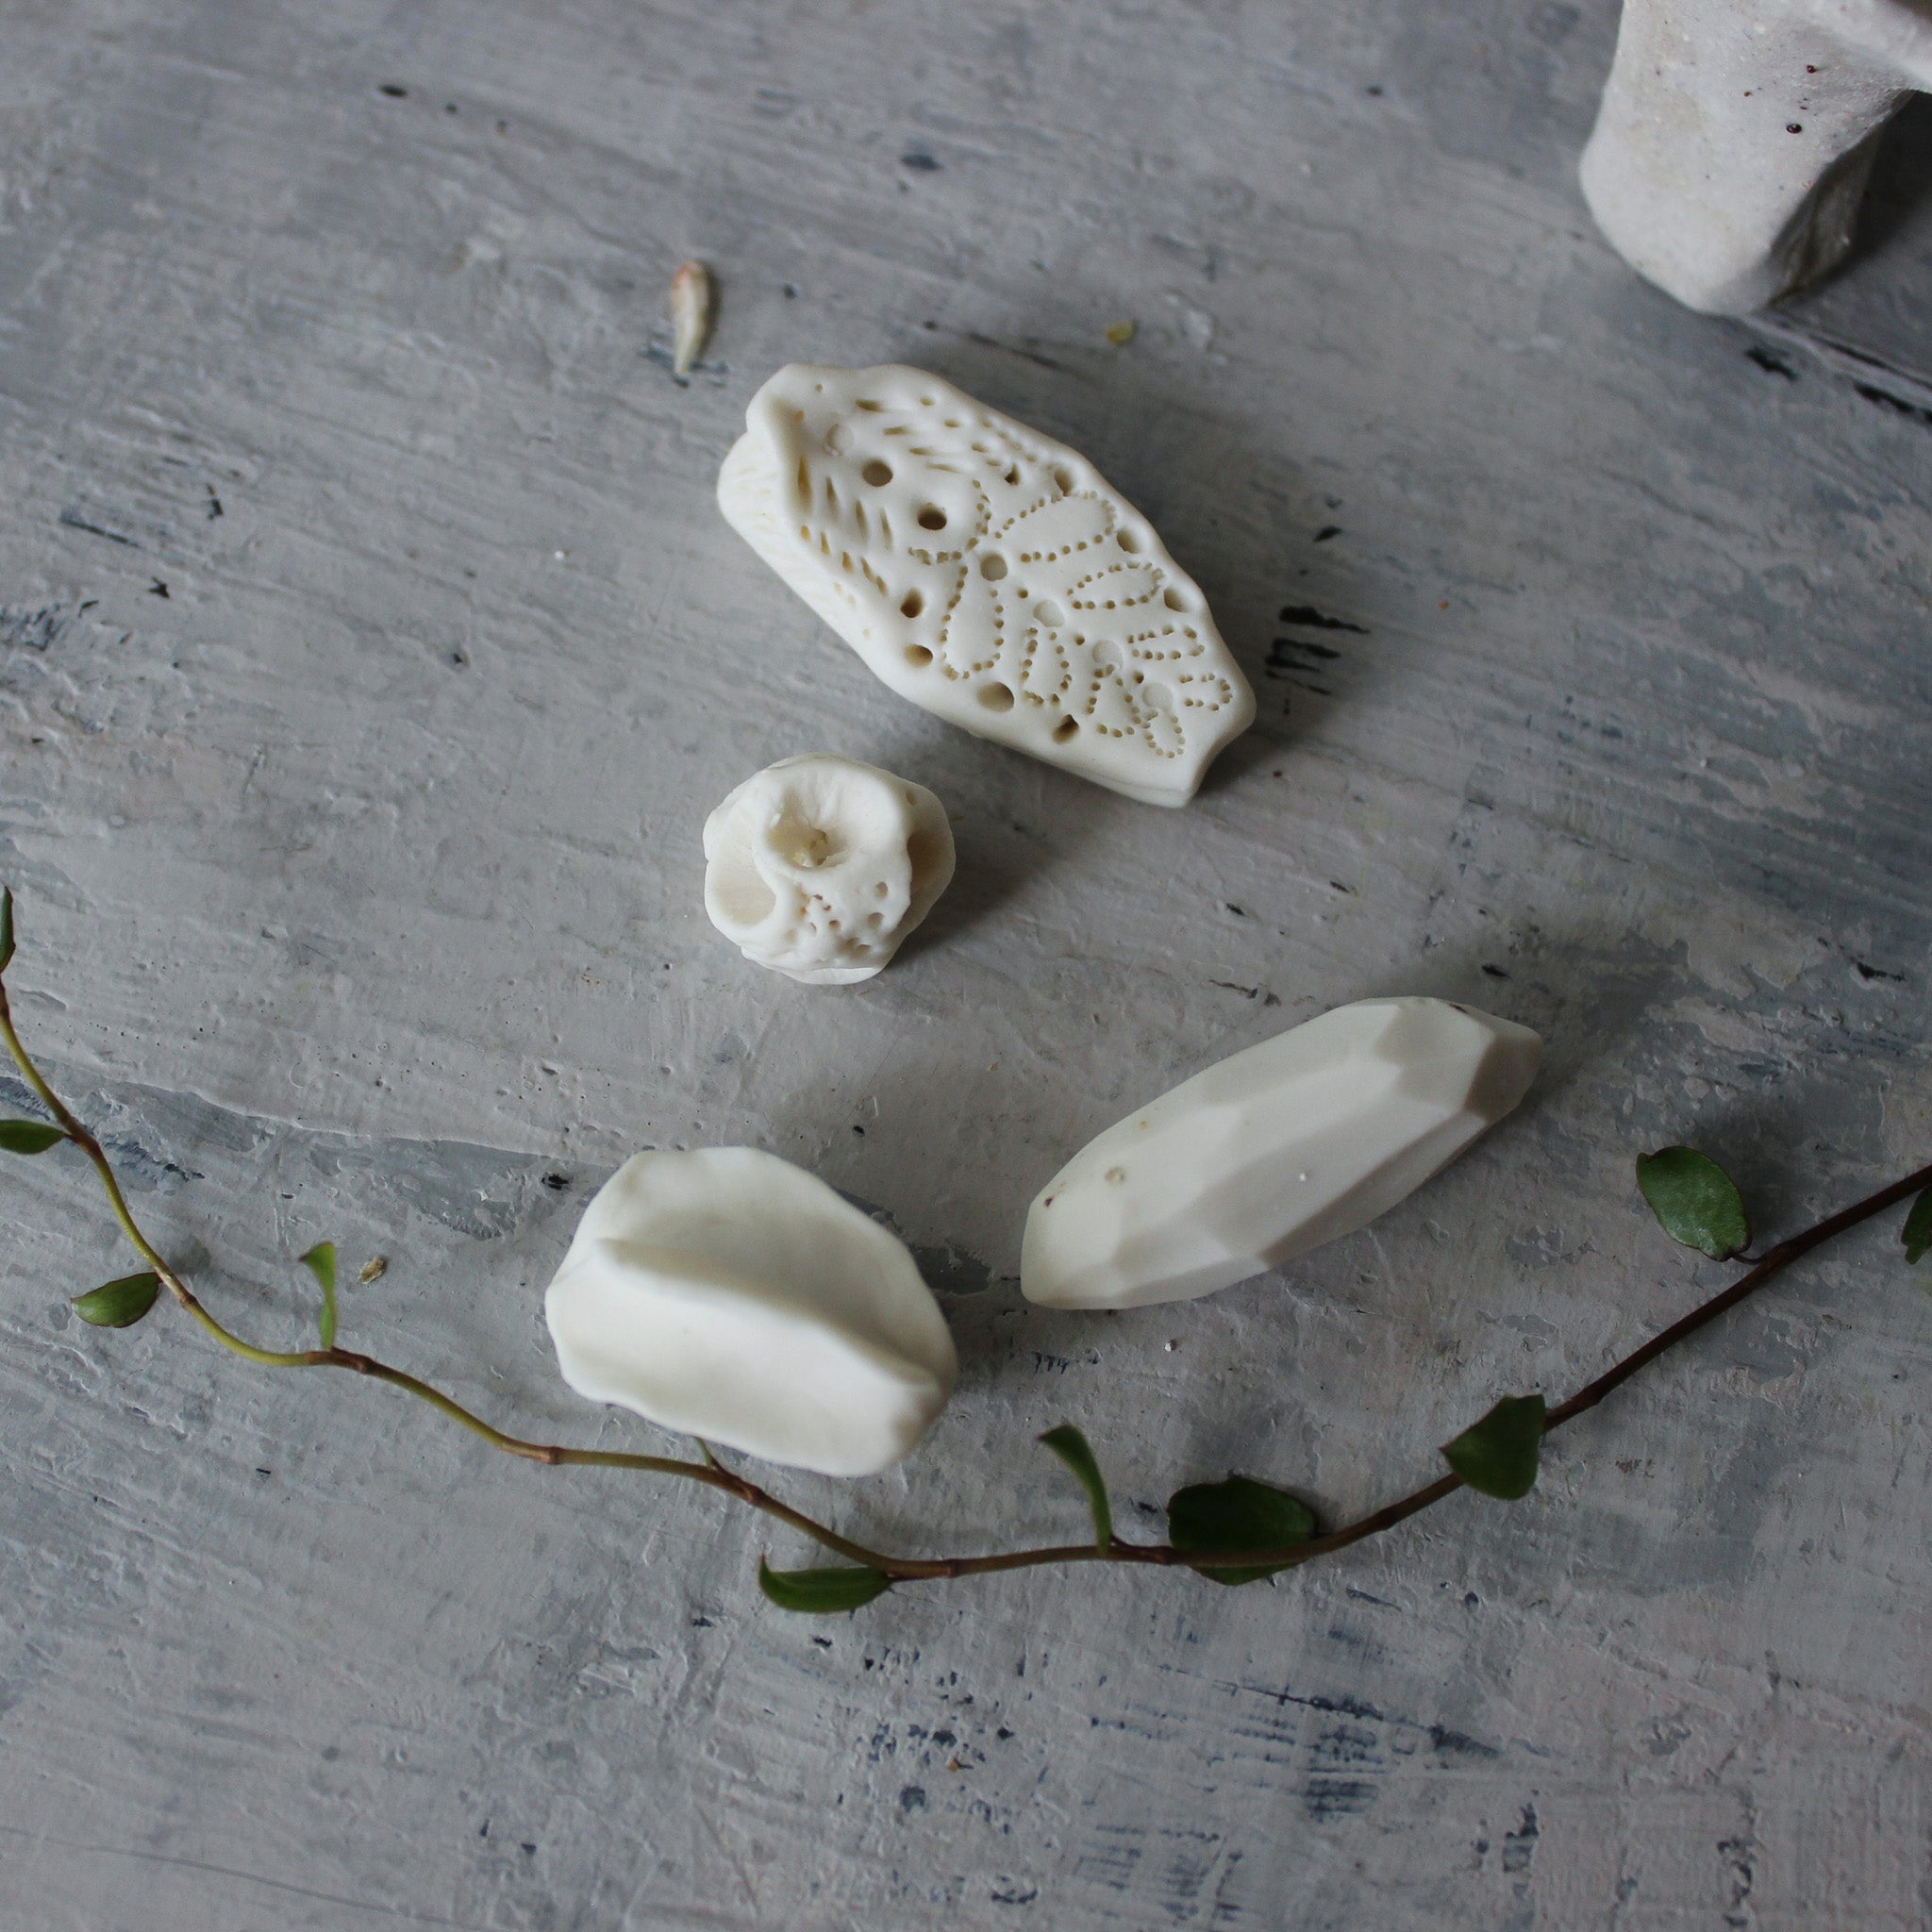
(820, 1592)
(28, 1136)
(1237, 1514)
(1695, 1201)
(1498, 1454)
(5, 926)
(1071, 1447)
(119, 1304)
(1917, 1229)
(321, 1262)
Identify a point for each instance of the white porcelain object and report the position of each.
(1734, 138)
(987, 573)
(819, 866)
(736, 1297)
(1279, 1148)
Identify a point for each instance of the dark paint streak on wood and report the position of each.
(74, 521)
(1310, 619)
(986, 341)
(1897, 404)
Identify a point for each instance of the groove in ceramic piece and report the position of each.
(820, 866)
(1274, 1150)
(728, 1294)
(987, 573)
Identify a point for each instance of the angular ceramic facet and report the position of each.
(1288, 1145)
(819, 866)
(1733, 142)
(734, 1296)
(987, 573)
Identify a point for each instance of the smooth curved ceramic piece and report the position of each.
(1279, 1148)
(987, 573)
(819, 866)
(731, 1295)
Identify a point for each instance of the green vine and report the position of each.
(1232, 1532)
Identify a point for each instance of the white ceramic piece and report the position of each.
(1279, 1148)
(731, 1295)
(987, 573)
(819, 866)
(1734, 138)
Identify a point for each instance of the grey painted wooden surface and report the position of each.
(370, 653)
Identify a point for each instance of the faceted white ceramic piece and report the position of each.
(1734, 139)
(731, 1295)
(987, 573)
(819, 866)
(1279, 1148)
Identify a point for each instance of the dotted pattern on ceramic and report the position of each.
(1272, 1152)
(819, 866)
(730, 1295)
(1734, 143)
(987, 573)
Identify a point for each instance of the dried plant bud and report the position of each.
(690, 315)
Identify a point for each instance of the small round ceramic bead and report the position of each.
(819, 867)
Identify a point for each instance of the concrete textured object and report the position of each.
(360, 894)
(1735, 138)
(987, 573)
(819, 866)
(1272, 1152)
(731, 1295)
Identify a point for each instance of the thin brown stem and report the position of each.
(1773, 1262)
(713, 1474)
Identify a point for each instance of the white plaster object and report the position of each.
(1276, 1150)
(1734, 138)
(987, 573)
(731, 1295)
(819, 866)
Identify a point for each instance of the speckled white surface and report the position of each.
(1734, 143)
(360, 897)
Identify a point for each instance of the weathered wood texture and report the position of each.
(372, 651)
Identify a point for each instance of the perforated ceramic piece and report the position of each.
(987, 573)
(1308, 1136)
(731, 1295)
(819, 866)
